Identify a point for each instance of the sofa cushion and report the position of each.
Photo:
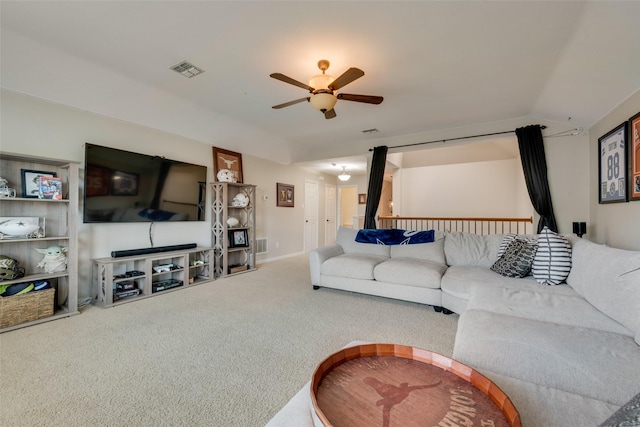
(471, 249)
(552, 263)
(516, 259)
(543, 303)
(620, 299)
(461, 280)
(355, 266)
(596, 364)
(608, 278)
(346, 238)
(426, 251)
(410, 271)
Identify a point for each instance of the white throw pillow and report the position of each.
(552, 263)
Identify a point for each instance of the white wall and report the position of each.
(36, 127)
(615, 224)
(482, 189)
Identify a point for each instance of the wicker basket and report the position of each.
(33, 305)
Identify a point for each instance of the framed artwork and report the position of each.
(612, 165)
(98, 180)
(230, 160)
(238, 239)
(50, 188)
(362, 199)
(285, 195)
(31, 182)
(124, 184)
(634, 157)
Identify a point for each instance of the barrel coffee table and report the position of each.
(392, 385)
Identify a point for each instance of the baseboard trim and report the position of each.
(278, 258)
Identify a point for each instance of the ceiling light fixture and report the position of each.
(344, 176)
(323, 98)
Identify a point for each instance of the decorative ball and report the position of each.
(240, 200)
(17, 227)
(225, 175)
(233, 222)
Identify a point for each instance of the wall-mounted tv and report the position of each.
(122, 186)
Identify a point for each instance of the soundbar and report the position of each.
(143, 251)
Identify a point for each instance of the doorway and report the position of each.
(348, 209)
(310, 215)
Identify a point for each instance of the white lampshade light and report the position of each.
(344, 176)
(323, 101)
(321, 81)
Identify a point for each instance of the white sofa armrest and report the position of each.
(318, 256)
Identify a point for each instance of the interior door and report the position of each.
(310, 215)
(330, 214)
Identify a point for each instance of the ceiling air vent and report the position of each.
(187, 69)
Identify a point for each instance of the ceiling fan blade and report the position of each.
(330, 114)
(286, 104)
(369, 99)
(283, 78)
(347, 77)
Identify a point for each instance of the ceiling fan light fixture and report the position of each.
(323, 101)
(321, 81)
(344, 176)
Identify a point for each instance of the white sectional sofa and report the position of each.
(567, 355)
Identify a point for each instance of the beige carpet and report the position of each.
(228, 353)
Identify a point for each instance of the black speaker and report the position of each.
(579, 228)
(143, 251)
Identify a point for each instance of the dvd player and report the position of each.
(163, 285)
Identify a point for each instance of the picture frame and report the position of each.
(50, 188)
(124, 184)
(226, 159)
(362, 199)
(612, 165)
(238, 238)
(31, 182)
(285, 195)
(98, 181)
(634, 157)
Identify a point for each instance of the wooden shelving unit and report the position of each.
(230, 257)
(126, 279)
(60, 219)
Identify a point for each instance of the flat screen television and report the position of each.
(122, 186)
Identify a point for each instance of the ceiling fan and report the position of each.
(322, 88)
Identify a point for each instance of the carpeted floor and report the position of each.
(228, 353)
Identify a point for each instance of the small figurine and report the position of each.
(55, 259)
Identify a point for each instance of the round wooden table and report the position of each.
(392, 385)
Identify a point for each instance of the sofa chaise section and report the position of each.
(566, 355)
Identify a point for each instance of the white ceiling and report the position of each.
(450, 67)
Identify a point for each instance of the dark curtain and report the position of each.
(534, 165)
(375, 186)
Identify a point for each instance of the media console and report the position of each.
(125, 278)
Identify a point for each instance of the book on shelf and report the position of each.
(49, 188)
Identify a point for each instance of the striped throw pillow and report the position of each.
(552, 263)
(508, 238)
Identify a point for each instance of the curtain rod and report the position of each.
(454, 139)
